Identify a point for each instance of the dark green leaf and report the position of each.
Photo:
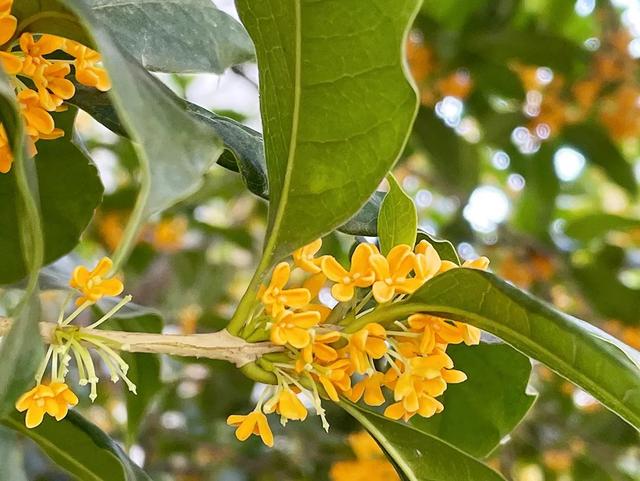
(600, 150)
(166, 36)
(398, 219)
(444, 248)
(70, 190)
(481, 411)
(333, 126)
(365, 221)
(80, 448)
(419, 456)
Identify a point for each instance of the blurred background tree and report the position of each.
(526, 149)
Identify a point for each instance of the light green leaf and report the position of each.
(418, 456)
(163, 35)
(481, 411)
(444, 248)
(398, 218)
(69, 188)
(335, 117)
(598, 225)
(573, 348)
(80, 448)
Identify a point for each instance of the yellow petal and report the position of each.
(298, 337)
(265, 431)
(332, 269)
(7, 28)
(453, 376)
(280, 275)
(382, 292)
(342, 292)
(295, 297)
(246, 427)
(34, 417)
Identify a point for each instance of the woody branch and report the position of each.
(217, 345)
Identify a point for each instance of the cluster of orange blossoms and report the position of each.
(55, 397)
(328, 350)
(41, 84)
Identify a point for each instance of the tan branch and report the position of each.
(216, 345)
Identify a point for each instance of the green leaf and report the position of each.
(244, 152)
(419, 456)
(165, 36)
(481, 411)
(598, 225)
(69, 189)
(144, 369)
(336, 118)
(21, 349)
(20, 354)
(600, 150)
(80, 448)
(398, 218)
(444, 248)
(583, 354)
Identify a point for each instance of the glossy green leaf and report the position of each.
(576, 350)
(600, 150)
(597, 226)
(176, 148)
(481, 411)
(444, 248)
(419, 456)
(335, 116)
(398, 218)
(80, 448)
(365, 221)
(166, 36)
(69, 189)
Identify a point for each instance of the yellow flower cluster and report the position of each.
(40, 82)
(370, 463)
(55, 397)
(328, 352)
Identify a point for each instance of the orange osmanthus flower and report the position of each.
(95, 284)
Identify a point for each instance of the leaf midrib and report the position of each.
(293, 141)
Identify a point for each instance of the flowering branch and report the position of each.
(217, 345)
